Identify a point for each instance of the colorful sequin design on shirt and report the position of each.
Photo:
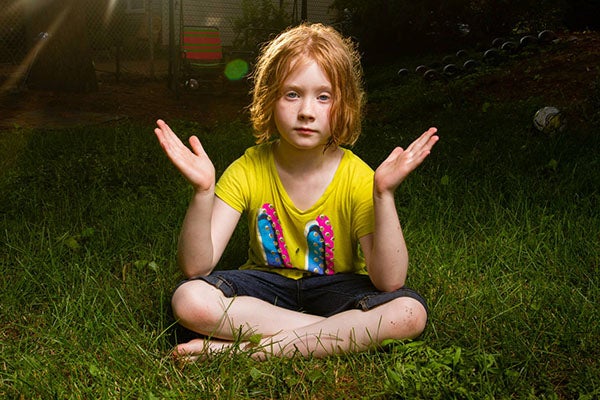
(319, 241)
(319, 236)
(271, 236)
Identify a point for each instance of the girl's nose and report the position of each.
(306, 111)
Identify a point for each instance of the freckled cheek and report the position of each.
(330, 113)
(279, 117)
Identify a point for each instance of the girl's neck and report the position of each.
(306, 174)
(301, 161)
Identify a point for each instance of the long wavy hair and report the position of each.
(335, 55)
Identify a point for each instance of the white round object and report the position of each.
(548, 120)
(192, 84)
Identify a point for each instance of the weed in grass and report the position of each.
(452, 372)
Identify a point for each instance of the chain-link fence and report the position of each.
(128, 38)
(139, 39)
(12, 34)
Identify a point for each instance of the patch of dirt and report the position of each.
(561, 73)
(143, 101)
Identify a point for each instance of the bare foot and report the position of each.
(199, 349)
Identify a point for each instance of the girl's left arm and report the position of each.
(385, 249)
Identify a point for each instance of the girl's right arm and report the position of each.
(207, 227)
(209, 222)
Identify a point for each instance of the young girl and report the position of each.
(327, 260)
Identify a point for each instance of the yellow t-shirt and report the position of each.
(320, 240)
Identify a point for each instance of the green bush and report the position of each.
(259, 21)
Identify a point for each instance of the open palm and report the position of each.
(400, 163)
(194, 165)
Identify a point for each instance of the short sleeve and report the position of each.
(363, 221)
(233, 185)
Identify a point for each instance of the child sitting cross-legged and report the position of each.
(327, 260)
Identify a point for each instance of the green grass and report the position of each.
(502, 225)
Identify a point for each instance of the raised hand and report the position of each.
(400, 163)
(194, 165)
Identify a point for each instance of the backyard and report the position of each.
(502, 224)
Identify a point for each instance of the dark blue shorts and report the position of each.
(322, 295)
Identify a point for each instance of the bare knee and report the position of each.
(405, 318)
(196, 305)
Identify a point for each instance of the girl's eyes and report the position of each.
(295, 95)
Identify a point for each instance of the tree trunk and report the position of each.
(62, 56)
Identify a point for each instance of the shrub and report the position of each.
(259, 22)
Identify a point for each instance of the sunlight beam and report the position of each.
(110, 9)
(23, 69)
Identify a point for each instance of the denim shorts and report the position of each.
(322, 295)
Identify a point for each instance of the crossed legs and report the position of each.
(202, 308)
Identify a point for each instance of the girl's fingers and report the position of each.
(169, 140)
(424, 143)
(197, 146)
(423, 140)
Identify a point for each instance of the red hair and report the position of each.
(335, 55)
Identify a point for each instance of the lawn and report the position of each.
(502, 224)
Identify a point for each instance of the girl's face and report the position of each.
(302, 111)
